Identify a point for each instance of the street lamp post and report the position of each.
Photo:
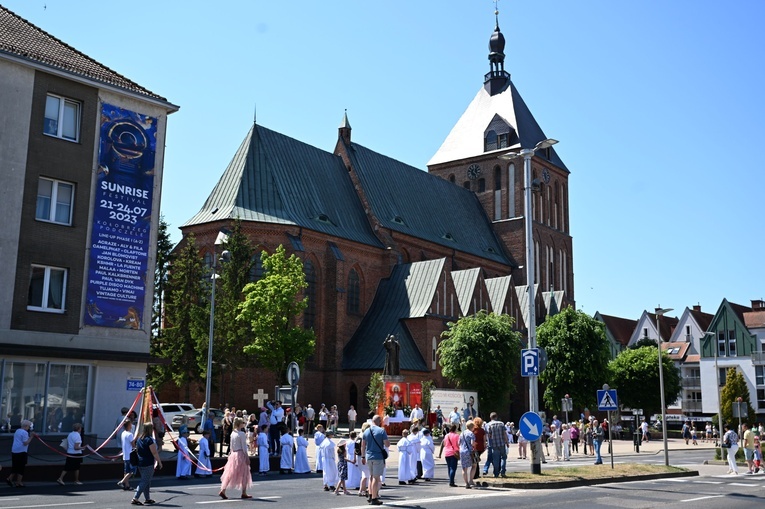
(527, 154)
(659, 313)
(224, 257)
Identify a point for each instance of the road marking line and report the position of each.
(708, 482)
(746, 485)
(48, 505)
(234, 499)
(209, 486)
(701, 498)
(409, 502)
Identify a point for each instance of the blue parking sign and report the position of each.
(530, 362)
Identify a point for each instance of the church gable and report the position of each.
(499, 134)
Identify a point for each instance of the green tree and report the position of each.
(644, 341)
(427, 391)
(186, 318)
(482, 352)
(635, 374)
(735, 387)
(577, 358)
(164, 255)
(376, 391)
(270, 307)
(232, 335)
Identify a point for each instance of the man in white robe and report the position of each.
(318, 438)
(426, 455)
(301, 459)
(414, 456)
(405, 450)
(285, 443)
(326, 452)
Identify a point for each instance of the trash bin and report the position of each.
(636, 439)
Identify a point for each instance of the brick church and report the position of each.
(391, 249)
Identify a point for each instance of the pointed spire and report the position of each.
(255, 114)
(345, 129)
(496, 79)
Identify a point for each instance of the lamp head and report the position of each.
(510, 156)
(549, 142)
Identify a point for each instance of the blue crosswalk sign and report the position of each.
(607, 400)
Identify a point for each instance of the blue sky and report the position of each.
(658, 107)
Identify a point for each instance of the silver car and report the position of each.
(193, 419)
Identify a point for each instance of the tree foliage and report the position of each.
(735, 387)
(376, 391)
(163, 260)
(577, 358)
(635, 374)
(270, 307)
(186, 321)
(232, 335)
(482, 352)
(640, 343)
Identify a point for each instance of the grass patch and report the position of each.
(559, 474)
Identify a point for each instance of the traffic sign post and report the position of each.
(567, 405)
(530, 362)
(607, 401)
(293, 377)
(531, 426)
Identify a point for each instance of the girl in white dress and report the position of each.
(327, 454)
(264, 465)
(354, 474)
(205, 467)
(318, 438)
(405, 449)
(301, 460)
(183, 469)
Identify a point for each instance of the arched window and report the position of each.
(354, 291)
(209, 259)
(309, 314)
(256, 268)
(511, 191)
(490, 142)
(435, 353)
(482, 188)
(498, 180)
(497, 193)
(556, 208)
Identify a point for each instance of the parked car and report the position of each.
(170, 410)
(193, 419)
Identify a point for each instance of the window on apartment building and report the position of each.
(760, 398)
(54, 201)
(759, 375)
(723, 374)
(732, 343)
(687, 332)
(62, 118)
(47, 289)
(354, 291)
(721, 343)
(645, 335)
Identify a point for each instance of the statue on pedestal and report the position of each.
(391, 356)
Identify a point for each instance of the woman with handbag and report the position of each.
(450, 447)
(730, 442)
(467, 438)
(148, 460)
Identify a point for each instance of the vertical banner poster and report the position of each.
(415, 394)
(119, 244)
(395, 395)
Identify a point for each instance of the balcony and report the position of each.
(691, 382)
(758, 358)
(691, 406)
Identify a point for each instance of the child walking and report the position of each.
(342, 468)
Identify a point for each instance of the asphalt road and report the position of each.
(712, 490)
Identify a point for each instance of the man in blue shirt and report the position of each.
(374, 447)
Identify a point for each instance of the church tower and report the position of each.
(496, 122)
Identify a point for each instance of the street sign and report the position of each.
(530, 362)
(531, 426)
(293, 373)
(607, 400)
(567, 404)
(135, 384)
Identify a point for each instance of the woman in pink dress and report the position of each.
(236, 473)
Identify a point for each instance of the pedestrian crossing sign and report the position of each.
(607, 400)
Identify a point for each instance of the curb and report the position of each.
(556, 485)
